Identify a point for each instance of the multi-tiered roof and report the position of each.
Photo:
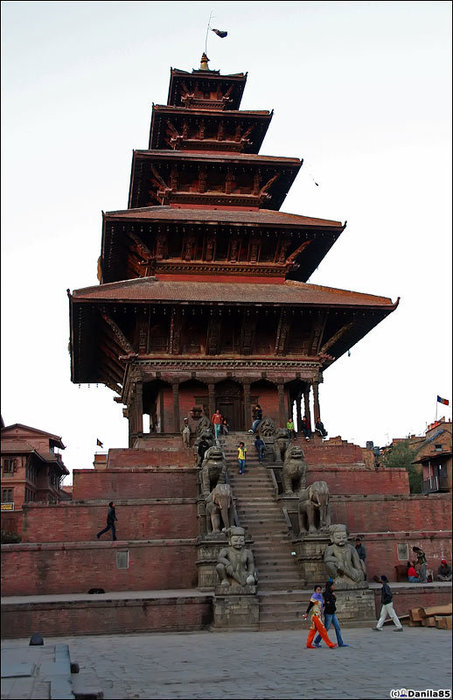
(203, 239)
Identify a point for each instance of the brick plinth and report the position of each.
(154, 482)
(323, 453)
(159, 454)
(172, 614)
(37, 569)
(146, 519)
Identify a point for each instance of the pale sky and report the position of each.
(360, 90)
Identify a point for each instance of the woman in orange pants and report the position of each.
(315, 611)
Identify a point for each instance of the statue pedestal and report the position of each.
(309, 552)
(355, 604)
(236, 608)
(208, 550)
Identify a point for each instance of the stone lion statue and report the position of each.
(213, 469)
(313, 507)
(294, 470)
(203, 424)
(219, 508)
(281, 444)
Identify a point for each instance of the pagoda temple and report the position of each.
(203, 298)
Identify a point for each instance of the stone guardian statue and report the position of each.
(235, 564)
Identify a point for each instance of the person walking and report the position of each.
(315, 611)
(111, 517)
(217, 420)
(387, 606)
(330, 615)
(260, 447)
(242, 456)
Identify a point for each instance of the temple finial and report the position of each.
(204, 62)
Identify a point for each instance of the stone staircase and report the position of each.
(281, 591)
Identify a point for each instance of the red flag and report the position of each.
(444, 401)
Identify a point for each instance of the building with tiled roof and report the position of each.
(32, 471)
(204, 298)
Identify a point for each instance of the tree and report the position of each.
(402, 455)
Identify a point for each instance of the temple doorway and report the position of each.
(228, 398)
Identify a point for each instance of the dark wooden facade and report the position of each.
(203, 296)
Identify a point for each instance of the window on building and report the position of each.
(438, 448)
(7, 495)
(9, 465)
(403, 552)
(122, 560)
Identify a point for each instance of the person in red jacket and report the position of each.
(217, 420)
(412, 575)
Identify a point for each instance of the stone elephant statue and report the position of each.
(313, 508)
(219, 508)
(294, 470)
(213, 470)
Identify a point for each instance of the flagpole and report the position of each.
(436, 408)
(207, 34)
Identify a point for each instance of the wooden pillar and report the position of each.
(247, 416)
(299, 412)
(281, 404)
(211, 400)
(307, 403)
(176, 426)
(136, 410)
(316, 410)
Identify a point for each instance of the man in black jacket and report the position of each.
(111, 517)
(387, 607)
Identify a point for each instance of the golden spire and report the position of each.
(204, 62)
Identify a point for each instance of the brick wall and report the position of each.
(38, 569)
(392, 513)
(382, 550)
(182, 614)
(159, 454)
(111, 484)
(323, 453)
(361, 481)
(137, 520)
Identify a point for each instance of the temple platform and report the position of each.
(188, 610)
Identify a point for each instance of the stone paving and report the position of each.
(255, 664)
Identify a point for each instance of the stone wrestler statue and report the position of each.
(235, 563)
(341, 558)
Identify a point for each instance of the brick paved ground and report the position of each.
(258, 664)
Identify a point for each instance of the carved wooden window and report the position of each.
(9, 465)
(158, 338)
(7, 495)
(29, 495)
(299, 339)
